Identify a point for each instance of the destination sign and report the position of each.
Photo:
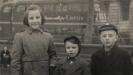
(67, 18)
(66, 12)
(58, 12)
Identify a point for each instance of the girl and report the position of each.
(32, 48)
(72, 64)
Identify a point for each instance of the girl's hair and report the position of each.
(33, 7)
(74, 40)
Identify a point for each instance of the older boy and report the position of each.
(110, 59)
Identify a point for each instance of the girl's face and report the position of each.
(34, 19)
(71, 49)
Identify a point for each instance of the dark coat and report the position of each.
(78, 67)
(117, 62)
(31, 53)
(5, 57)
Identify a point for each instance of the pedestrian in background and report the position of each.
(110, 59)
(72, 64)
(33, 49)
(5, 57)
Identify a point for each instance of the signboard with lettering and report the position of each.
(66, 11)
(59, 12)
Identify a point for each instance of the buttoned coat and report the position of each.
(78, 67)
(5, 57)
(116, 62)
(31, 53)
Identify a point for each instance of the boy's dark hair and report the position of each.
(33, 7)
(108, 27)
(74, 40)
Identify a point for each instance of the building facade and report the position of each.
(117, 12)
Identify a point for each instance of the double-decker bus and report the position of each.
(63, 18)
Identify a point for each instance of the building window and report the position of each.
(124, 4)
(101, 11)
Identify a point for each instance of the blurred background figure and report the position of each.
(5, 57)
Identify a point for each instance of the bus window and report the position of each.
(5, 25)
(5, 14)
(7, 9)
(48, 7)
(20, 8)
(18, 13)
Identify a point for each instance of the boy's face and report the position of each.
(108, 38)
(71, 49)
(34, 19)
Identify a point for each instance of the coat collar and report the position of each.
(30, 31)
(113, 49)
(71, 67)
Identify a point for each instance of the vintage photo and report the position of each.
(66, 37)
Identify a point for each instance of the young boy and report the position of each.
(110, 59)
(72, 64)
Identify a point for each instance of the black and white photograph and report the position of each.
(66, 37)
